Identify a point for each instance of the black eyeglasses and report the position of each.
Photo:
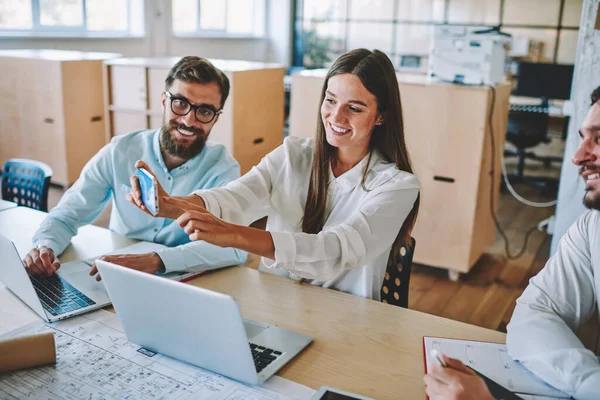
(181, 106)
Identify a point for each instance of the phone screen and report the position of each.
(328, 395)
(148, 189)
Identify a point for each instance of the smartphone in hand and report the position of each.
(149, 190)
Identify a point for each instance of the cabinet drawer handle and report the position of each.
(96, 118)
(443, 179)
(258, 140)
(49, 120)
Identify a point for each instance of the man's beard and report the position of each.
(186, 152)
(593, 203)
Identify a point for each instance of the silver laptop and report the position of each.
(71, 291)
(197, 326)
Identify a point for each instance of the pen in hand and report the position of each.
(436, 355)
(495, 390)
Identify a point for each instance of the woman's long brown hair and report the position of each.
(377, 74)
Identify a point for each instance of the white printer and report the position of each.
(468, 55)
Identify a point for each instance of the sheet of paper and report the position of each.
(493, 361)
(14, 312)
(95, 361)
(289, 388)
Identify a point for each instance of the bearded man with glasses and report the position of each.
(183, 161)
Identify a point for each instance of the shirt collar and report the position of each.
(352, 178)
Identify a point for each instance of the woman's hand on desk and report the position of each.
(455, 382)
(149, 262)
(41, 262)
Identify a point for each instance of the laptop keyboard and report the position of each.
(58, 296)
(263, 356)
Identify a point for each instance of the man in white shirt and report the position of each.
(565, 293)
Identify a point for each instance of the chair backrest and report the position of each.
(526, 128)
(397, 277)
(26, 182)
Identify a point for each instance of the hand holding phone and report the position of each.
(149, 188)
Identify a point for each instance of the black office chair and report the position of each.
(397, 277)
(528, 127)
(26, 182)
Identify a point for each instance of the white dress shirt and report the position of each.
(350, 254)
(558, 300)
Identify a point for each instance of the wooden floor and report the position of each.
(486, 296)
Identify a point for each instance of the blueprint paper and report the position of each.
(96, 362)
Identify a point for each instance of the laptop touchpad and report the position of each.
(253, 329)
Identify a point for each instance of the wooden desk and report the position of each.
(7, 205)
(449, 142)
(360, 345)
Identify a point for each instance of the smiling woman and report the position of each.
(338, 207)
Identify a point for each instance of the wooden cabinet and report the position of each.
(252, 121)
(51, 108)
(449, 141)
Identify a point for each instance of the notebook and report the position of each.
(493, 361)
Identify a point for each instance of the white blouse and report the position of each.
(350, 254)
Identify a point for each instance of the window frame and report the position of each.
(39, 30)
(222, 33)
(300, 20)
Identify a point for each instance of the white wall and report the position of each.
(159, 41)
(587, 77)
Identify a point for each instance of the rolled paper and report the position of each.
(27, 351)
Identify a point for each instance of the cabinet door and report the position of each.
(258, 108)
(124, 122)
(40, 103)
(156, 85)
(156, 122)
(128, 87)
(9, 115)
(304, 105)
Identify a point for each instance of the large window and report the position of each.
(244, 18)
(72, 17)
(404, 29)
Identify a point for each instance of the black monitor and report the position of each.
(550, 81)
